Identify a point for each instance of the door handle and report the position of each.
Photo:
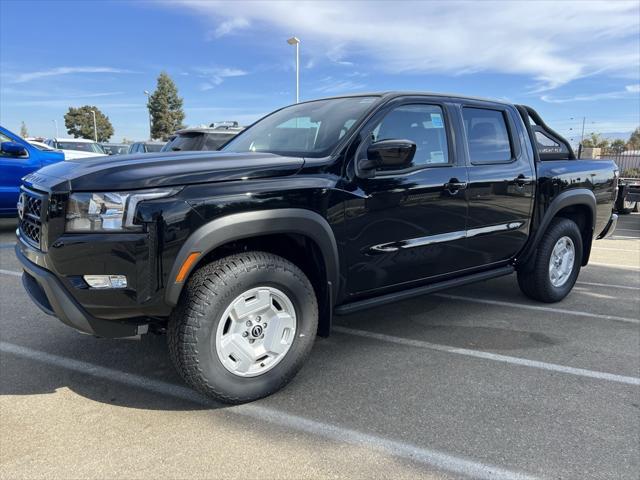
(454, 185)
(521, 180)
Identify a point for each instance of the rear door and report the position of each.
(501, 182)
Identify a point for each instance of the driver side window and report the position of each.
(421, 124)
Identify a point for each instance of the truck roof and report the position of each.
(386, 95)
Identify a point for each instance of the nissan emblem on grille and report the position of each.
(20, 206)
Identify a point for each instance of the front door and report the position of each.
(501, 183)
(409, 225)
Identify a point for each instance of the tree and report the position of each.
(24, 133)
(634, 140)
(618, 145)
(595, 140)
(165, 108)
(79, 123)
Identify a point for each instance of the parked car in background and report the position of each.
(203, 138)
(146, 147)
(17, 159)
(42, 146)
(76, 147)
(115, 148)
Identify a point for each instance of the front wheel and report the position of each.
(556, 264)
(244, 326)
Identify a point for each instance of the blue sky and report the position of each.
(230, 60)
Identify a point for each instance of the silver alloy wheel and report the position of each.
(563, 256)
(256, 331)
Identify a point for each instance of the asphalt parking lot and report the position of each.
(475, 382)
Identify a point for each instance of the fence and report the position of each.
(628, 161)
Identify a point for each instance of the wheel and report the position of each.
(556, 264)
(243, 327)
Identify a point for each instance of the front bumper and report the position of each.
(50, 295)
(610, 228)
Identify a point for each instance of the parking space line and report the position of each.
(434, 458)
(581, 372)
(537, 307)
(10, 272)
(607, 285)
(637, 250)
(613, 265)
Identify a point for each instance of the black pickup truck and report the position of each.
(243, 256)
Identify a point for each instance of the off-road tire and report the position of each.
(534, 279)
(204, 299)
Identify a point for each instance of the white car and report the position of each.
(76, 147)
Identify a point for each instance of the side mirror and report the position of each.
(13, 148)
(389, 155)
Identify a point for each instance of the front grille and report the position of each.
(32, 215)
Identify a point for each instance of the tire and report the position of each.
(210, 313)
(536, 280)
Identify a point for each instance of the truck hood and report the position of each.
(132, 172)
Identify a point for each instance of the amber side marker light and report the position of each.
(186, 266)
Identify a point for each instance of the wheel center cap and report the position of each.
(256, 331)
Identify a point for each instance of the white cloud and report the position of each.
(215, 76)
(54, 72)
(332, 85)
(629, 92)
(230, 26)
(552, 42)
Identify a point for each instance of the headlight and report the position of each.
(108, 212)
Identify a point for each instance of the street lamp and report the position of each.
(55, 122)
(146, 92)
(296, 41)
(95, 126)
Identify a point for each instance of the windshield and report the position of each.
(116, 149)
(81, 146)
(153, 147)
(310, 129)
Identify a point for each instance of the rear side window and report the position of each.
(487, 135)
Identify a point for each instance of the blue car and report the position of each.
(17, 159)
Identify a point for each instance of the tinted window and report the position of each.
(310, 129)
(214, 141)
(423, 125)
(186, 141)
(545, 141)
(487, 135)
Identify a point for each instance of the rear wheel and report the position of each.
(556, 265)
(244, 326)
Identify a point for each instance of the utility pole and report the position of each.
(55, 122)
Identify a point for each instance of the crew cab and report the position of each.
(326, 207)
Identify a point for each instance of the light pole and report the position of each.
(55, 122)
(95, 126)
(146, 92)
(296, 41)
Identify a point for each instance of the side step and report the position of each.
(352, 307)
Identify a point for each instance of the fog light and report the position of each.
(106, 281)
